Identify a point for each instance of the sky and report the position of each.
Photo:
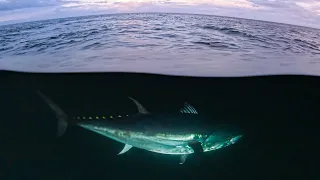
(298, 12)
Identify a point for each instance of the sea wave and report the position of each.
(198, 45)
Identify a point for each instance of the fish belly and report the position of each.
(146, 142)
(157, 147)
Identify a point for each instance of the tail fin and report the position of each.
(61, 116)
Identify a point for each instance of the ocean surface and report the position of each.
(173, 44)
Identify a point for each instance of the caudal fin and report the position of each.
(61, 116)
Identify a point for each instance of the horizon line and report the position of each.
(7, 23)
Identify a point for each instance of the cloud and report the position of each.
(313, 6)
(21, 4)
(272, 3)
(289, 5)
(300, 12)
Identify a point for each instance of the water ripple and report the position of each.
(160, 43)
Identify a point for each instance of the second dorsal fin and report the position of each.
(187, 108)
(141, 109)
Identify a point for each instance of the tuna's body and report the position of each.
(143, 132)
(160, 133)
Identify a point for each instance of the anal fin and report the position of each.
(126, 148)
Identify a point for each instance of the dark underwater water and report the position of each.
(278, 115)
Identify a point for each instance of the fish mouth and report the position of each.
(196, 146)
(236, 138)
(228, 131)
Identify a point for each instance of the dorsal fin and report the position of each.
(187, 108)
(141, 109)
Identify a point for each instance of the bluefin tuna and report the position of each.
(165, 133)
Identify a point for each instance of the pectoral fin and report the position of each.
(183, 158)
(126, 148)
